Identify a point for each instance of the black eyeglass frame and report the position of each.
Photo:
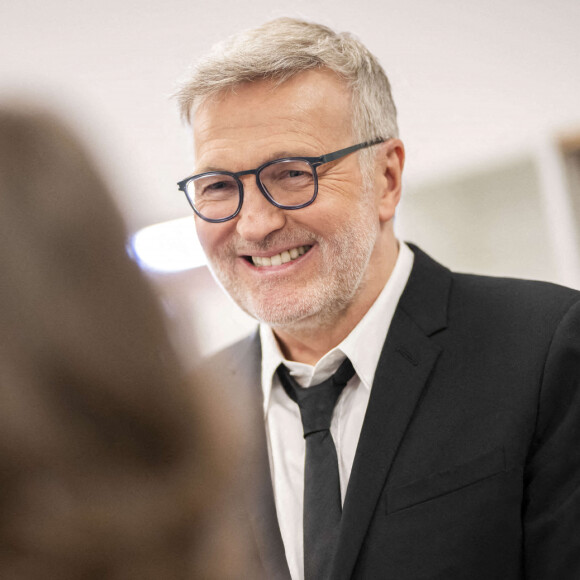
(314, 162)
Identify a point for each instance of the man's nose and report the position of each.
(258, 217)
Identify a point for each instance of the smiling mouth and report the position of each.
(278, 259)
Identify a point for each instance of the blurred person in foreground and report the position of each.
(418, 423)
(111, 463)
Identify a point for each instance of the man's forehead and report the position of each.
(306, 115)
(294, 98)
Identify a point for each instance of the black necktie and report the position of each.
(322, 505)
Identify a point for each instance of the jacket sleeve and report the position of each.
(551, 510)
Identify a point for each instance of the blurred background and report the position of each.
(489, 109)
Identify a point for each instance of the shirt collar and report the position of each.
(362, 346)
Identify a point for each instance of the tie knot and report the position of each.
(316, 403)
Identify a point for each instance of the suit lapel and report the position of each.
(263, 517)
(259, 496)
(406, 362)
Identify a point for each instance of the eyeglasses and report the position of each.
(288, 183)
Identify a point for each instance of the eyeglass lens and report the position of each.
(290, 183)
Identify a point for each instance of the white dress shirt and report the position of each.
(286, 445)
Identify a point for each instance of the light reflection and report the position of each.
(167, 247)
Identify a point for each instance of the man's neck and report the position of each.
(310, 340)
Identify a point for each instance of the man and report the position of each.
(454, 449)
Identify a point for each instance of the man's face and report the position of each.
(330, 243)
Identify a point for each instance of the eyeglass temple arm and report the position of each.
(343, 152)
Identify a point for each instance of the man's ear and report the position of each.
(390, 162)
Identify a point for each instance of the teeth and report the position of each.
(283, 258)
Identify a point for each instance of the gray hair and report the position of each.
(285, 47)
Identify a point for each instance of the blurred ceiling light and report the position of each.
(167, 247)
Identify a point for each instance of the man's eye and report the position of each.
(216, 189)
(218, 185)
(293, 174)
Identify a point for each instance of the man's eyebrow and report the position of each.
(283, 154)
(273, 157)
(207, 169)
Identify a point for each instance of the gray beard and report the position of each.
(346, 258)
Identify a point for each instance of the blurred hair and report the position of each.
(107, 468)
(285, 47)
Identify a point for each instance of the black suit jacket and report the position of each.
(468, 463)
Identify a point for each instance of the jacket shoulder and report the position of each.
(233, 357)
(487, 297)
(535, 301)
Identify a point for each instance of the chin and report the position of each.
(278, 309)
(280, 317)
(295, 313)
